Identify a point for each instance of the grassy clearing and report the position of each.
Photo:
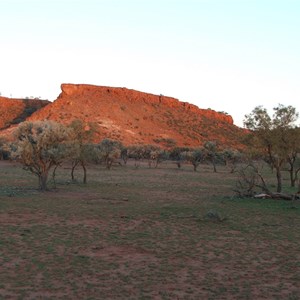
(142, 234)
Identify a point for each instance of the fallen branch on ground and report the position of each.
(279, 196)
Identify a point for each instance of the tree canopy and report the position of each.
(42, 145)
(273, 135)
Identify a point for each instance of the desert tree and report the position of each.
(292, 138)
(270, 135)
(83, 135)
(195, 157)
(41, 146)
(124, 155)
(175, 154)
(108, 152)
(4, 146)
(2, 143)
(155, 156)
(135, 152)
(250, 181)
(231, 158)
(152, 153)
(211, 148)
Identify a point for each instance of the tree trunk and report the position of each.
(196, 164)
(43, 177)
(292, 177)
(279, 180)
(53, 175)
(109, 164)
(214, 165)
(84, 172)
(232, 169)
(74, 165)
(293, 180)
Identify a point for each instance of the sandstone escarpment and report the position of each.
(134, 117)
(14, 111)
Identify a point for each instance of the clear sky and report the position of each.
(228, 55)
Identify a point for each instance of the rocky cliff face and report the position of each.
(14, 111)
(123, 94)
(135, 117)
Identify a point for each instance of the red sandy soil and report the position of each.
(139, 234)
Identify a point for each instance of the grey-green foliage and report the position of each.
(195, 157)
(4, 148)
(231, 158)
(108, 151)
(83, 135)
(211, 148)
(274, 135)
(41, 146)
(152, 153)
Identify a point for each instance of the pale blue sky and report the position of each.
(229, 55)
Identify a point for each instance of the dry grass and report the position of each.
(143, 234)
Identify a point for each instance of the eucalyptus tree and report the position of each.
(292, 138)
(41, 146)
(231, 158)
(270, 135)
(108, 151)
(83, 136)
(211, 148)
(195, 157)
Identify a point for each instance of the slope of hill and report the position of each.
(134, 117)
(14, 111)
